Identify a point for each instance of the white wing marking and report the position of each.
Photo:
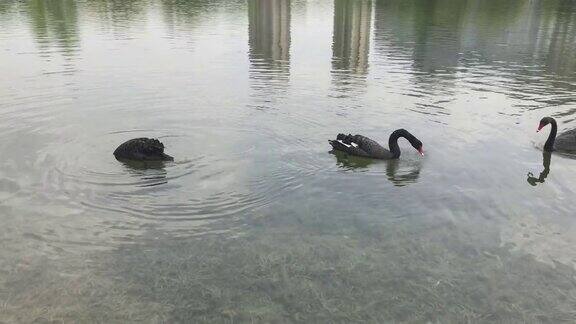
(352, 144)
(339, 141)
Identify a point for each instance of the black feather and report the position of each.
(363, 146)
(142, 149)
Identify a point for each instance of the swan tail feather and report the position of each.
(338, 145)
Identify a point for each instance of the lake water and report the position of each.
(255, 220)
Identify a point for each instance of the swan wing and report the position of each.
(361, 146)
(371, 147)
(352, 148)
(566, 141)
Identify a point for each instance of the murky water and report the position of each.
(245, 95)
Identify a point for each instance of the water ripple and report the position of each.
(204, 183)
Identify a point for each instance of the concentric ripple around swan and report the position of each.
(223, 177)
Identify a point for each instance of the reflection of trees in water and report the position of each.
(118, 15)
(269, 45)
(269, 29)
(521, 38)
(351, 38)
(55, 23)
(428, 30)
(5, 6)
(436, 48)
(536, 42)
(526, 32)
(351, 44)
(560, 58)
(183, 13)
(426, 34)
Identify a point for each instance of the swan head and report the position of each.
(545, 121)
(418, 146)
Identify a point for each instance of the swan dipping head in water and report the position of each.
(142, 149)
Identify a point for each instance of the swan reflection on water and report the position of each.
(150, 173)
(396, 170)
(532, 180)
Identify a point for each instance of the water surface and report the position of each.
(256, 219)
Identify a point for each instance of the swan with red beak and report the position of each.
(565, 142)
(359, 145)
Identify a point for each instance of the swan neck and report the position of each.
(549, 146)
(393, 141)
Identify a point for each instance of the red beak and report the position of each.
(421, 151)
(539, 127)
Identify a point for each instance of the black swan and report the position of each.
(565, 142)
(142, 149)
(363, 146)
